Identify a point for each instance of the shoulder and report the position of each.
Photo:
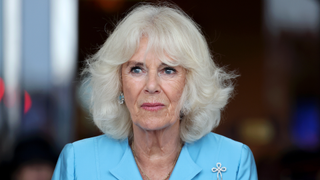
(85, 157)
(98, 141)
(99, 147)
(215, 142)
(214, 138)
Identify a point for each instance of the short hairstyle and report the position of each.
(172, 33)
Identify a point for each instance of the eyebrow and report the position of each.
(164, 64)
(136, 63)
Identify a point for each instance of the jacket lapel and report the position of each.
(127, 167)
(185, 167)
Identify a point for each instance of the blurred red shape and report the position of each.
(1, 88)
(27, 102)
(110, 5)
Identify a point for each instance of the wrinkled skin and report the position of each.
(152, 81)
(152, 92)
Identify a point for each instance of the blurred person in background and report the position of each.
(156, 94)
(33, 159)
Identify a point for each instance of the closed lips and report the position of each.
(152, 106)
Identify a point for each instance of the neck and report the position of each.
(157, 151)
(157, 142)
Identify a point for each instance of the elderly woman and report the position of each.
(156, 95)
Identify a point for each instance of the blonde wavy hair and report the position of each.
(170, 33)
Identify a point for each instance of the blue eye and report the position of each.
(136, 70)
(169, 70)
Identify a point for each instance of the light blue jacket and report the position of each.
(104, 158)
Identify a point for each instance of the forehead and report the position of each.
(144, 51)
(148, 53)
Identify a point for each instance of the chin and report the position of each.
(153, 127)
(154, 124)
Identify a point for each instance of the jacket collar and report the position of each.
(127, 168)
(185, 167)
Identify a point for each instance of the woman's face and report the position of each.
(152, 90)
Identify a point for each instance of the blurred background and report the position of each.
(273, 44)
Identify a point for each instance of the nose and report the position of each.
(152, 83)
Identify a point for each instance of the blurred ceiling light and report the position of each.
(292, 15)
(64, 34)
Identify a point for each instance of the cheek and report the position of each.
(174, 89)
(131, 90)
